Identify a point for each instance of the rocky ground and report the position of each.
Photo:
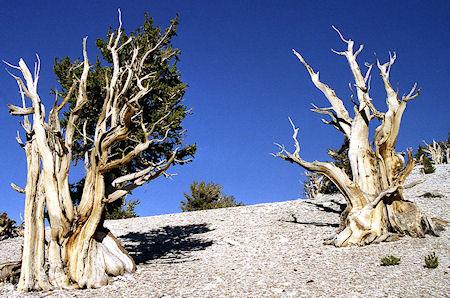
(259, 251)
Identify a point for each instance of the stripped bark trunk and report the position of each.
(33, 275)
(92, 252)
(376, 208)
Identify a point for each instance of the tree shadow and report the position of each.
(313, 223)
(323, 207)
(170, 244)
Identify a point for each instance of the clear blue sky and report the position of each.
(243, 80)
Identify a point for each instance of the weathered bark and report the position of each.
(376, 208)
(81, 252)
(33, 275)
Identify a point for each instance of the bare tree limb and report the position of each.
(18, 111)
(350, 190)
(337, 104)
(17, 188)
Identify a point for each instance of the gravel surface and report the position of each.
(257, 251)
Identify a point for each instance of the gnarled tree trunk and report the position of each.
(376, 208)
(81, 251)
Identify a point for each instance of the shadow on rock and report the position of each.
(171, 243)
(313, 223)
(337, 208)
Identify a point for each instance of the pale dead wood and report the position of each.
(375, 203)
(438, 152)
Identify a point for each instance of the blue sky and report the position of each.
(243, 80)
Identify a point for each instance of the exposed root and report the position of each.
(391, 219)
(105, 257)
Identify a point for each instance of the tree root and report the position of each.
(388, 221)
(105, 257)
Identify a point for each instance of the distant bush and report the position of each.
(390, 261)
(431, 261)
(8, 227)
(121, 209)
(428, 167)
(207, 196)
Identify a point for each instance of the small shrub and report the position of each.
(428, 167)
(121, 209)
(8, 227)
(207, 196)
(431, 261)
(390, 261)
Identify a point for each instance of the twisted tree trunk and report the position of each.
(81, 252)
(376, 208)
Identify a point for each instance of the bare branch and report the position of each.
(66, 98)
(157, 45)
(340, 34)
(17, 188)
(349, 189)
(381, 196)
(384, 73)
(361, 81)
(139, 178)
(19, 140)
(413, 93)
(82, 98)
(344, 120)
(18, 111)
(367, 76)
(328, 111)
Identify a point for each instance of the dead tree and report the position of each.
(312, 185)
(438, 152)
(81, 252)
(376, 207)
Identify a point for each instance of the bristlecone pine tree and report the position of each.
(117, 142)
(206, 196)
(376, 208)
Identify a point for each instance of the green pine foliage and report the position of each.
(167, 93)
(121, 209)
(420, 152)
(431, 261)
(390, 261)
(207, 196)
(8, 227)
(428, 167)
